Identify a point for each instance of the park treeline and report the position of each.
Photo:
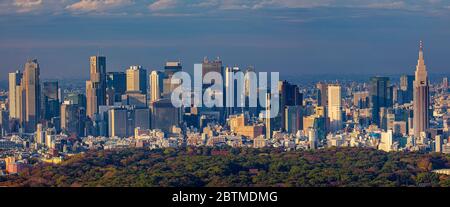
(236, 167)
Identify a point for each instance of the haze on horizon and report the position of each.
(296, 36)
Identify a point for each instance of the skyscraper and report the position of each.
(172, 67)
(96, 86)
(406, 88)
(166, 87)
(231, 91)
(322, 95)
(379, 96)
(335, 106)
(445, 83)
(50, 100)
(117, 119)
(211, 66)
(116, 86)
(268, 120)
(293, 118)
(137, 79)
(421, 96)
(156, 85)
(14, 95)
(32, 91)
(73, 118)
(164, 115)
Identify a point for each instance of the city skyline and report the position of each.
(359, 39)
(224, 93)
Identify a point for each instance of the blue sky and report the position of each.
(290, 36)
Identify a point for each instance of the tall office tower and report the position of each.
(322, 94)
(312, 138)
(172, 67)
(386, 141)
(50, 100)
(73, 117)
(379, 96)
(335, 107)
(438, 143)
(250, 87)
(289, 96)
(15, 95)
(116, 85)
(135, 99)
(406, 88)
(293, 118)
(39, 137)
(76, 98)
(118, 122)
(96, 86)
(231, 94)
(141, 118)
(421, 96)
(137, 79)
(361, 99)
(211, 66)
(32, 90)
(268, 120)
(164, 115)
(156, 85)
(4, 122)
(445, 83)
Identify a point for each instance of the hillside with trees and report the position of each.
(239, 167)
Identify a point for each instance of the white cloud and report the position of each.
(163, 5)
(27, 5)
(208, 6)
(97, 5)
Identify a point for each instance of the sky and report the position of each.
(289, 36)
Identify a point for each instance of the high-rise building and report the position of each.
(421, 96)
(361, 99)
(335, 107)
(141, 118)
(386, 141)
(289, 96)
(135, 99)
(15, 95)
(73, 118)
(231, 92)
(4, 122)
(96, 86)
(166, 86)
(50, 100)
(312, 138)
(293, 119)
(438, 143)
(32, 93)
(322, 94)
(268, 119)
(116, 84)
(164, 115)
(379, 97)
(211, 66)
(445, 83)
(118, 122)
(137, 79)
(76, 98)
(406, 88)
(172, 67)
(156, 85)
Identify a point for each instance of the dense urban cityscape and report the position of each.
(41, 123)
